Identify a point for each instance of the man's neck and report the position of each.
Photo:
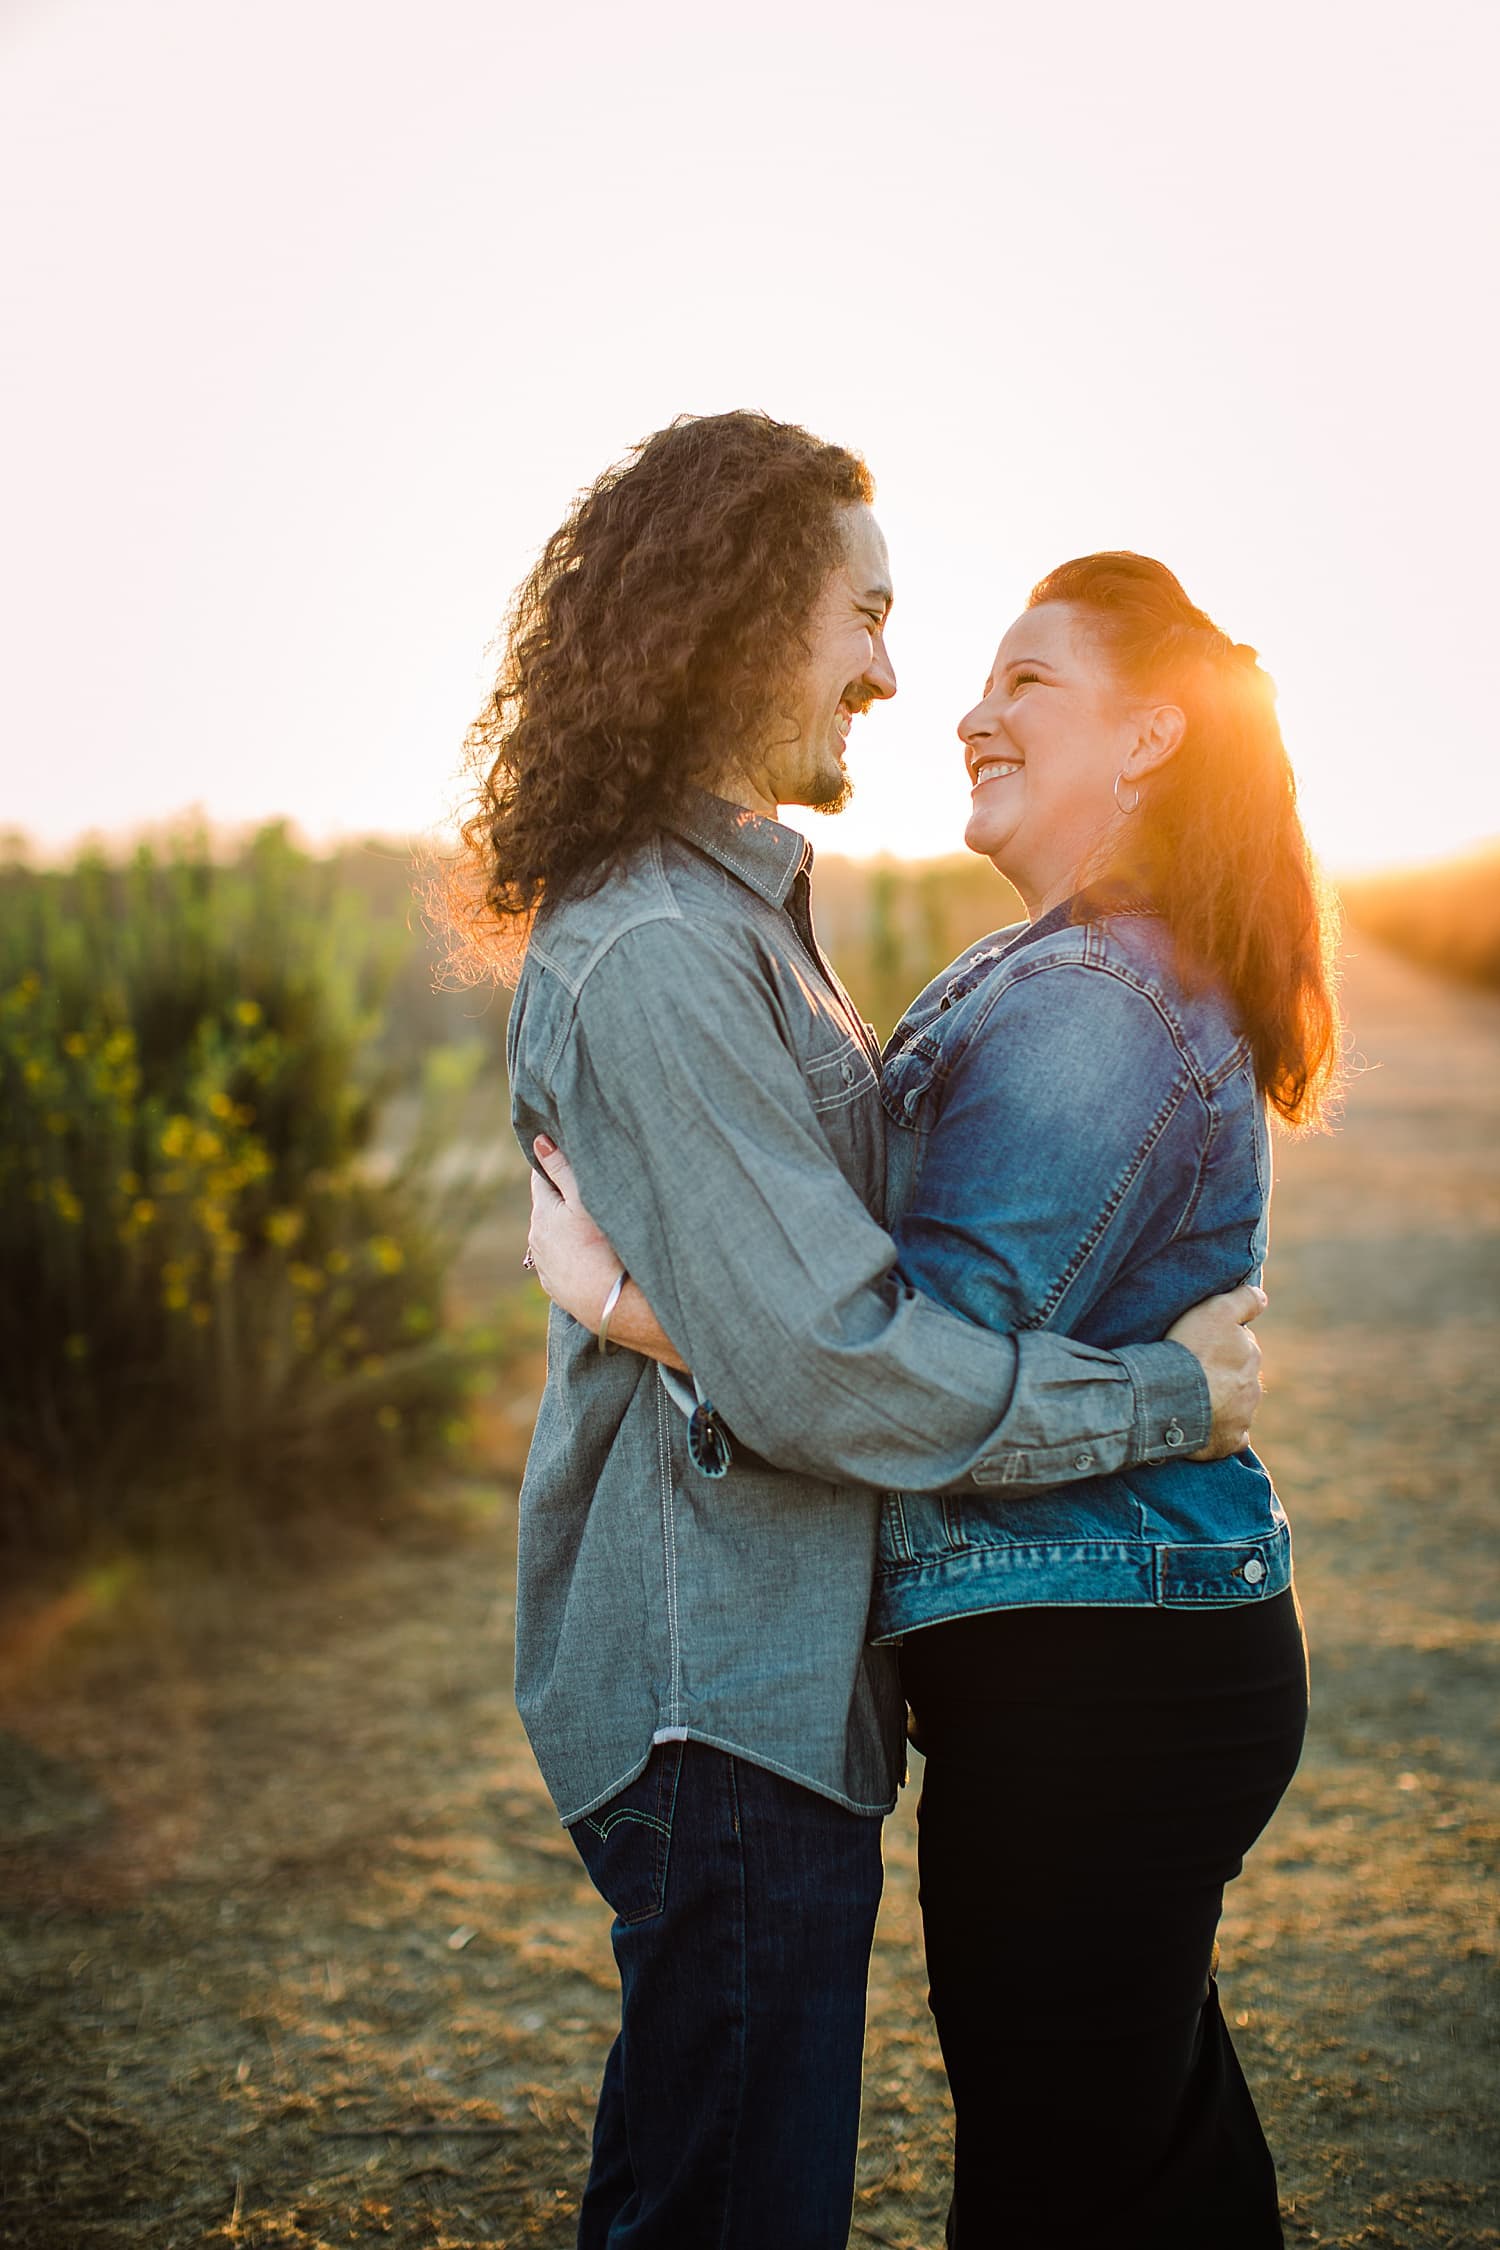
(737, 787)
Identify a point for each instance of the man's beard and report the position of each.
(831, 793)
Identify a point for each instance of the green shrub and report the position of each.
(218, 1311)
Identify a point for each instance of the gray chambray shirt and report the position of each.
(679, 1034)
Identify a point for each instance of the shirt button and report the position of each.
(846, 1071)
(1083, 1460)
(1174, 1433)
(1253, 1571)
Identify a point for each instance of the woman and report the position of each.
(1108, 1682)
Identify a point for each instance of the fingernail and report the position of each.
(543, 1146)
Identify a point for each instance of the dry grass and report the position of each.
(294, 1953)
(1445, 917)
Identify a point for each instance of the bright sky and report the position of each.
(320, 311)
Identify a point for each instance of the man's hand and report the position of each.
(1217, 1333)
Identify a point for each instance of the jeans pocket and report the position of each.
(625, 1842)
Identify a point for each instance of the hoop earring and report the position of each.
(1127, 810)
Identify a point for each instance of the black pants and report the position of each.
(1094, 1779)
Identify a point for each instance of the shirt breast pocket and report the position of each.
(839, 1076)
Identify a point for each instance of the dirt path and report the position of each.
(294, 1953)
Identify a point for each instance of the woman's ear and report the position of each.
(1162, 729)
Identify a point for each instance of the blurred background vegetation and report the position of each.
(229, 1092)
(249, 1146)
(1446, 917)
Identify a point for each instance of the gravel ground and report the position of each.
(293, 1952)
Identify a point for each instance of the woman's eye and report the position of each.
(1024, 679)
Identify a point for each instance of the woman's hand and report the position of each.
(1217, 1333)
(573, 1261)
(578, 1266)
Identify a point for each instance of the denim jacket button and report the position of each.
(1174, 1433)
(846, 1072)
(1254, 1571)
(1083, 1460)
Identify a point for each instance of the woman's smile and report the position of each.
(987, 770)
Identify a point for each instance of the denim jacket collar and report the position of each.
(1098, 899)
(762, 853)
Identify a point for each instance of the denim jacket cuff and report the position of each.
(1173, 1410)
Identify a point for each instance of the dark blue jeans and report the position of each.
(744, 1911)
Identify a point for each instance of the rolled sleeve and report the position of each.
(697, 1144)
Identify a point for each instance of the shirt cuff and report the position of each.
(1173, 1410)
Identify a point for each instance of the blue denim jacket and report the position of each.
(1077, 1143)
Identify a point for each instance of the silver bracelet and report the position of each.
(608, 1313)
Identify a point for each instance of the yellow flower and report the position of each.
(130, 1183)
(174, 1296)
(306, 1278)
(284, 1228)
(176, 1138)
(387, 1254)
(337, 1261)
(75, 1044)
(373, 1365)
(57, 1121)
(248, 1012)
(66, 1203)
(34, 1072)
(143, 1212)
(208, 1146)
(220, 1105)
(389, 1418)
(200, 1315)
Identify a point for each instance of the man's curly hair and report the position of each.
(647, 648)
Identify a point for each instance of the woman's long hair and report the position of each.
(647, 649)
(1218, 845)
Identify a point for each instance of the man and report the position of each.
(689, 653)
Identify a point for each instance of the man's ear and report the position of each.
(1162, 729)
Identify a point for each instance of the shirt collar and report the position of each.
(763, 853)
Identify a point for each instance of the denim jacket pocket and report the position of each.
(625, 1842)
(907, 1081)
